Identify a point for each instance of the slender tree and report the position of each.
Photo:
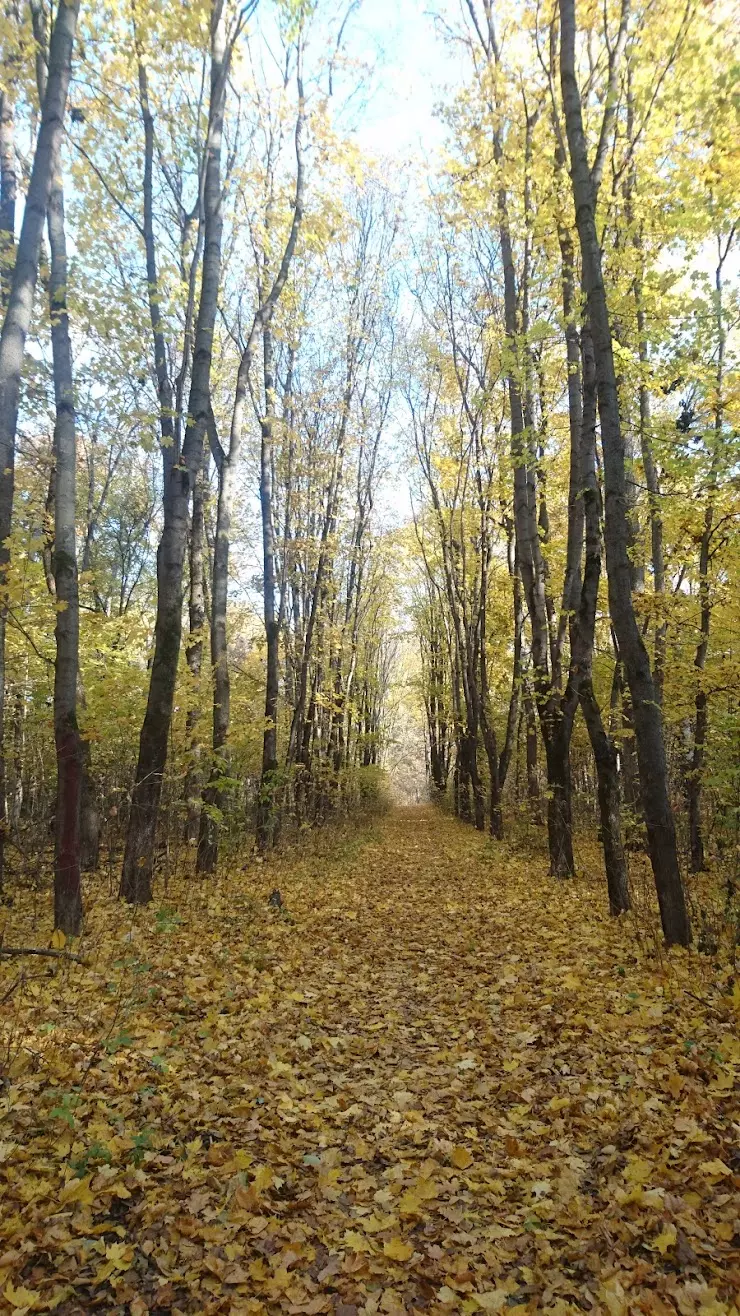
(648, 728)
(19, 305)
(69, 747)
(181, 473)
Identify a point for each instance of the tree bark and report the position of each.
(267, 818)
(70, 756)
(180, 478)
(67, 888)
(701, 703)
(582, 646)
(213, 796)
(8, 189)
(7, 244)
(19, 304)
(194, 655)
(531, 754)
(610, 812)
(267, 801)
(648, 728)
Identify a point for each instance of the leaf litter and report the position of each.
(431, 1080)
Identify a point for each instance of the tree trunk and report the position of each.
(7, 241)
(89, 811)
(8, 188)
(19, 304)
(479, 803)
(701, 705)
(267, 801)
(67, 888)
(213, 798)
(653, 488)
(70, 755)
(513, 716)
(607, 772)
(194, 655)
(559, 818)
(648, 728)
(531, 751)
(138, 862)
(582, 645)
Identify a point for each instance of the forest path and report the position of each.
(434, 1081)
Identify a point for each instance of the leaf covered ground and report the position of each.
(432, 1081)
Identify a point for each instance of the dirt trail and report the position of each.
(434, 1081)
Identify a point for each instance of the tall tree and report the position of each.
(69, 746)
(19, 305)
(648, 728)
(181, 472)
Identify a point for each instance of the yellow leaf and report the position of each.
(77, 1190)
(392, 1303)
(372, 1225)
(715, 1169)
(613, 1297)
(21, 1299)
(262, 1179)
(666, 1239)
(492, 1300)
(120, 1255)
(446, 1296)
(724, 1082)
(397, 1250)
(357, 1242)
(58, 939)
(638, 1170)
(412, 1201)
(461, 1157)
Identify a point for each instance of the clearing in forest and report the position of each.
(433, 1080)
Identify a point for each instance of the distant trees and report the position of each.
(199, 403)
(201, 318)
(555, 281)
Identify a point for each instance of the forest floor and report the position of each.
(433, 1081)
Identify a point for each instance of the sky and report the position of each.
(412, 67)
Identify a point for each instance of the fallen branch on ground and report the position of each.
(35, 950)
